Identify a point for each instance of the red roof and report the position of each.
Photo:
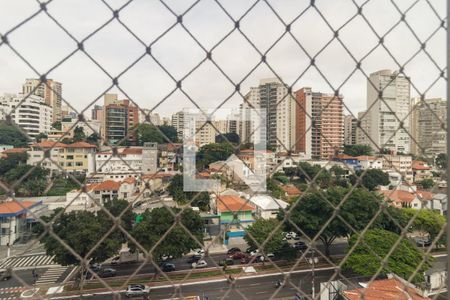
(80, 145)
(49, 144)
(291, 190)
(15, 150)
(345, 156)
(366, 157)
(12, 207)
(233, 203)
(399, 196)
(129, 180)
(424, 195)
(132, 151)
(420, 165)
(52, 144)
(387, 289)
(107, 185)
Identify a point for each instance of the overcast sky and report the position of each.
(43, 44)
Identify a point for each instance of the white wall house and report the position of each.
(30, 113)
(267, 207)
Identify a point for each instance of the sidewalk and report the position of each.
(215, 248)
(22, 249)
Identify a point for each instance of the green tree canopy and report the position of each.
(259, 231)
(213, 152)
(41, 136)
(313, 211)
(371, 179)
(158, 222)
(118, 207)
(367, 255)
(441, 161)
(426, 183)
(12, 161)
(78, 134)
(150, 133)
(230, 137)
(175, 188)
(427, 220)
(34, 184)
(170, 132)
(10, 135)
(57, 125)
(81, 231)
(357, 150)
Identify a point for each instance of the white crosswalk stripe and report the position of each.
(11, 293)
(51, 275)
(28, 261)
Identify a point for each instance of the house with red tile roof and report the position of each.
(16, 218)
(421, 170)
(58, 157)
(393, 288)
(12, 151)
(407, 198)
(236, 213)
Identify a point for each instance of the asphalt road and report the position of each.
(250, 288)
(181, 263)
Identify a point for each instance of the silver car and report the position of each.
(135, 290)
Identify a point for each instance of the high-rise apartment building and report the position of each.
(320, 119)
(388, 106)
(120, 117)
(362, 131)
(150, 158)
(154, 117)
(272, 96)
(51, 92)
(178, 123)
(97, 113)
(350, 130)
(31, 113)
(430, 137)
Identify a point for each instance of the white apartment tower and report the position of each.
(362, 131)
(430, 137)
(350, 130)
(178, 123)
(272, 96)
(51, 92)
(31, 113)
(388, 103)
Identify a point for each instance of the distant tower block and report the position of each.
(150, 158)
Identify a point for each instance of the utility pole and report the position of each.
(312, 262)
(312, 273)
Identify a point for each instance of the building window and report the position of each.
(78, 164)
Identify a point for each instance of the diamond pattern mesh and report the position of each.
(193, 52)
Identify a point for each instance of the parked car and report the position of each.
(299, 246)
(5, 274)
(166, 257)
(291, 235)
(168, 267)
(254, 252)
(233, 250)
(96, 267)
(136, 290)
(227, 261)
(107, 272)
(423, 242)
(250, 249)
(199, 264)
(238, 255)
(194, 258)
(199, 252)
